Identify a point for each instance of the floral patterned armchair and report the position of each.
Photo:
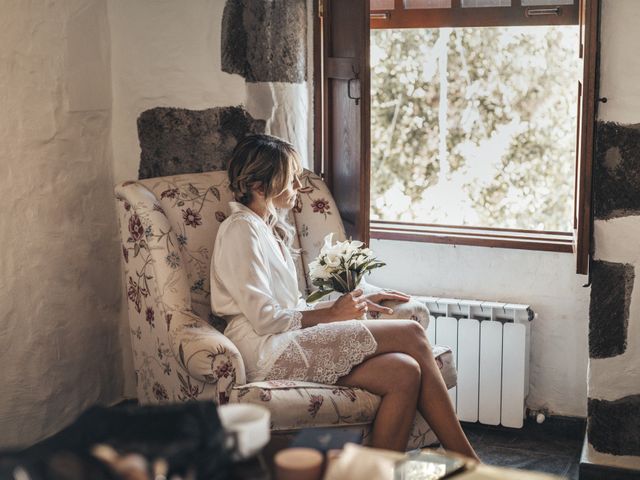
(168, 227)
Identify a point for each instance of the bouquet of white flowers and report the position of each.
(340, 267)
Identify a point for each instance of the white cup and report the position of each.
(247, 426)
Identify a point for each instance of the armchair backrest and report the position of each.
(168, 228)
(184, 212)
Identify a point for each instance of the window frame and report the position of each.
(457, 16)
(585, 13)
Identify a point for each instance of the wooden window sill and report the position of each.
(473, 236)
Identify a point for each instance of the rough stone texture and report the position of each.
(617, 171)
(611, 289)
(614, 426)
(265, 40)
(176, 140)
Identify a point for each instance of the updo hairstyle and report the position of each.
(267, 161)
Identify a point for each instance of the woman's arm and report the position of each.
(351, 305)
(348, 306)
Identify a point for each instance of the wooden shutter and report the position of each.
(587, 97)
(346, 110)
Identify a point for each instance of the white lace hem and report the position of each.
(323, 353)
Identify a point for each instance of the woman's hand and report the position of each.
(373, 300)
(349, 306)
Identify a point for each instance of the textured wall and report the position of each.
(59, 334)
(614, 368)
(177, 140)
(611, 292)
(265, 41)
(169, 54)
(617, 171)
(164, 54)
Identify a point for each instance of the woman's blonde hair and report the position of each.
(270, 162)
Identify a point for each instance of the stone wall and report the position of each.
(199, 56)
(613, 425)
(177, 140)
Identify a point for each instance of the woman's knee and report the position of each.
(405, 373)
(415, 339)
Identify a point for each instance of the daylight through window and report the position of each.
(474, 126)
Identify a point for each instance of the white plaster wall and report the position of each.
(544, 280)
(619, 376)
(619, 61)
(59, 336)
(167, 53)
(616, 240)
(164, 54)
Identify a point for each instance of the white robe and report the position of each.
(255, 289)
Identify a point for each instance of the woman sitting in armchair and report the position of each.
(254, 287)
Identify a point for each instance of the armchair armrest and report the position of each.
(412, 310)
(205, 353)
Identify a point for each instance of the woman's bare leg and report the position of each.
(396, 378)
(408, 337)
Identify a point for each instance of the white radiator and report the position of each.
(490, 342)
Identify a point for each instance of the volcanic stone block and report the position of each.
(611, 289)
(616, 174)
(265, 40)
(614, 426)
(176, 140)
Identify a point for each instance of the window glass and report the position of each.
(485, 3)
(474, 126)
(537, 3)
(381, 5)
(427, 4)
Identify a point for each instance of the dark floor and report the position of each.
(551, 447)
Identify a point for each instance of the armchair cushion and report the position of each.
(320, 405)
(295, 405)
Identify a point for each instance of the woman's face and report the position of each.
(287, 199)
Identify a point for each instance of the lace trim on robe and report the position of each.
(324, 353)
(296, 320)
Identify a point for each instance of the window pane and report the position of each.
(408, 4)
(485, 3)
(474, 126)
(381, 5)
(537, 3)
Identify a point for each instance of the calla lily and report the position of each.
(340, 267)
(328, 240)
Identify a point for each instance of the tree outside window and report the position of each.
(474, 126)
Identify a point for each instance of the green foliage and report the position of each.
(500, 151)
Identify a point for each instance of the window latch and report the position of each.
(356, 79)
(537, 12)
